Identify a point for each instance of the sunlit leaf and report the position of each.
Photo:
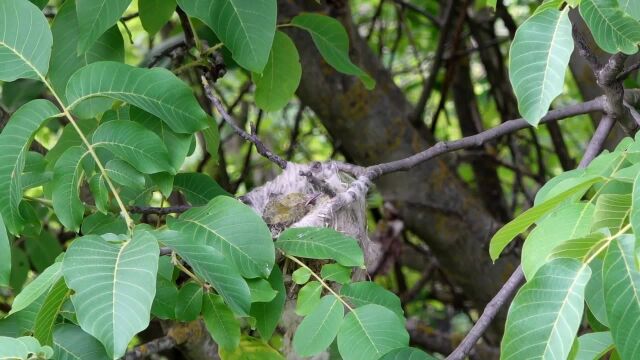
(538, 61)
(545, 314)
(46, 318)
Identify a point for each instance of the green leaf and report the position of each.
(321, 243)
(42, 250)
(64, 56)
(46, 318)
(612, 29)
(124, 174)
(504, 236)
(261, 290)
(212, 266)
(67, 176)
(198, 188)
(582, 249)
(407, 354)
(267, 314)
(164, 304)
(189, 302)
(95, 17)
(538, 61)
(19, 268)
(246, 27)
(369, 332)
(631, 7)
(23, 348)
(594, 293)
(622, 295)
(332, 41)
(366, 292)
(336, 272)
(5, 255)
(233, 229)
(612, 212)
(221, 323)
(71, 343)
(634, 216)
(25, 41)
(133, 143)
(40, 285)
(567, 222)
(546, 312)
(319, 328)
(156, 91)
(19, 92)
(114, 286)
(99, 224)
(15, 141)
(281, 77)
(70, 138)
(301, 276)
(179, 144)
(21, 322)
(308, 298)
(155, 13)
(593, 346)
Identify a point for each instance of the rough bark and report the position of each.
(374, 127)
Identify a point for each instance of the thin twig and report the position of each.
(597, 141)
(151, 210)
(260, 147)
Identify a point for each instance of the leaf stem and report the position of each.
(324, 284)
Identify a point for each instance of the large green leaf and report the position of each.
(583, 249)
(198, 188)
(634, 216)
(40, 285)
(321, 243)
(15, 140)
(318, 329)
(332, 41)
(251, 349)
(593, 346)
(5, 255)
(114, 286)
(369, 332)
(156, 91)
(67, 176)
(567, 222)
(594, 293)
(622, 295)
(71, 343)
(221, 323)
(212, 266)
(538, 61)
(135, 144)
(267, 314)
(366, 292)
(189, 302)
(246, 27)
(545, 315)
(504, 236)
(25, 347)
(25, 41)
(95, 17)
(48, 314)
(234, 230)
(64, 57)
(281, 77)
(612, 29)
(155, 13)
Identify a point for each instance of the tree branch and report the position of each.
(152, 347)
(260, 147)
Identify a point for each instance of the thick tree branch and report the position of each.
(152, 347)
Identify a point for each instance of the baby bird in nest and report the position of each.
(285, 210)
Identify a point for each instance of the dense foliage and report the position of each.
(149, 237)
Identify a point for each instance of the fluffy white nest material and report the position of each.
(344, 212)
